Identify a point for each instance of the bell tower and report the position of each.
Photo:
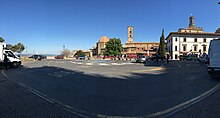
(130, 34)
(191, 22)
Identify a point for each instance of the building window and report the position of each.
(184, 48)
(195, 40)
(175, 48)
(176, 56)
(176, 39)
(195, 47)
(184, 40)
(130, 31)
(204, 40)
(130, 36)
(204, 48)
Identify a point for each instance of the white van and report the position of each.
(214, 58)
(13, 60)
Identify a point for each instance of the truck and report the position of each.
(13, 60)
(214, 59)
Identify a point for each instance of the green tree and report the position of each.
(162, 51)
(9, 46)
(66, 53)
(16, 48)
(1, 40)
(19, 47)
(80, 53)
(113, 47)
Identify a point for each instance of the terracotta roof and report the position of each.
(190, 33)
(104, 39)
(144, 43)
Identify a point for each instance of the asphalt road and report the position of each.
(115, 88)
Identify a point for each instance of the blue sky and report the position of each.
(44, 26)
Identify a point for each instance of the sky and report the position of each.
(44, 26)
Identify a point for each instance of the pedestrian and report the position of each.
(168, 57)
(5, 62)
(157, 59)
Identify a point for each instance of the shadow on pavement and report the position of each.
(137, 95)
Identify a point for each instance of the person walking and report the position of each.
(5, 62)
(157, 58)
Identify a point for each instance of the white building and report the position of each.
(190, 40)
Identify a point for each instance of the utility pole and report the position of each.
(26, 51)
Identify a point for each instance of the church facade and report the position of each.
(101, 44)
(132, 49)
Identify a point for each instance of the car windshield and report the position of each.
(10, 54)
(110, 58)
(141, 56)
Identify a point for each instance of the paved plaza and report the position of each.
(105, 88)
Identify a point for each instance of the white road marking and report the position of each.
(103, 64)
(60, 62)
(127, 63)
(88, 63)
(83, 66)
(186, 104)
(48, 64)
(3, 73)
(167, 112)
(79, 63)
(116, 63)
(37, 93)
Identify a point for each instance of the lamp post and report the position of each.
(63, 47)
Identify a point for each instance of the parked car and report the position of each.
(141, 59)
(183, 57)
(59, 57)
(192, 57)
(214, 58)
(38, 57)
(81, 58)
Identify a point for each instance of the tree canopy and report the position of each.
(16, 48)
(80, 53)
(66, 53)
(113, 47)
(162, 51)
(1, 40)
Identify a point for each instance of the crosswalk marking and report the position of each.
(101, 64)
(88, 63)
